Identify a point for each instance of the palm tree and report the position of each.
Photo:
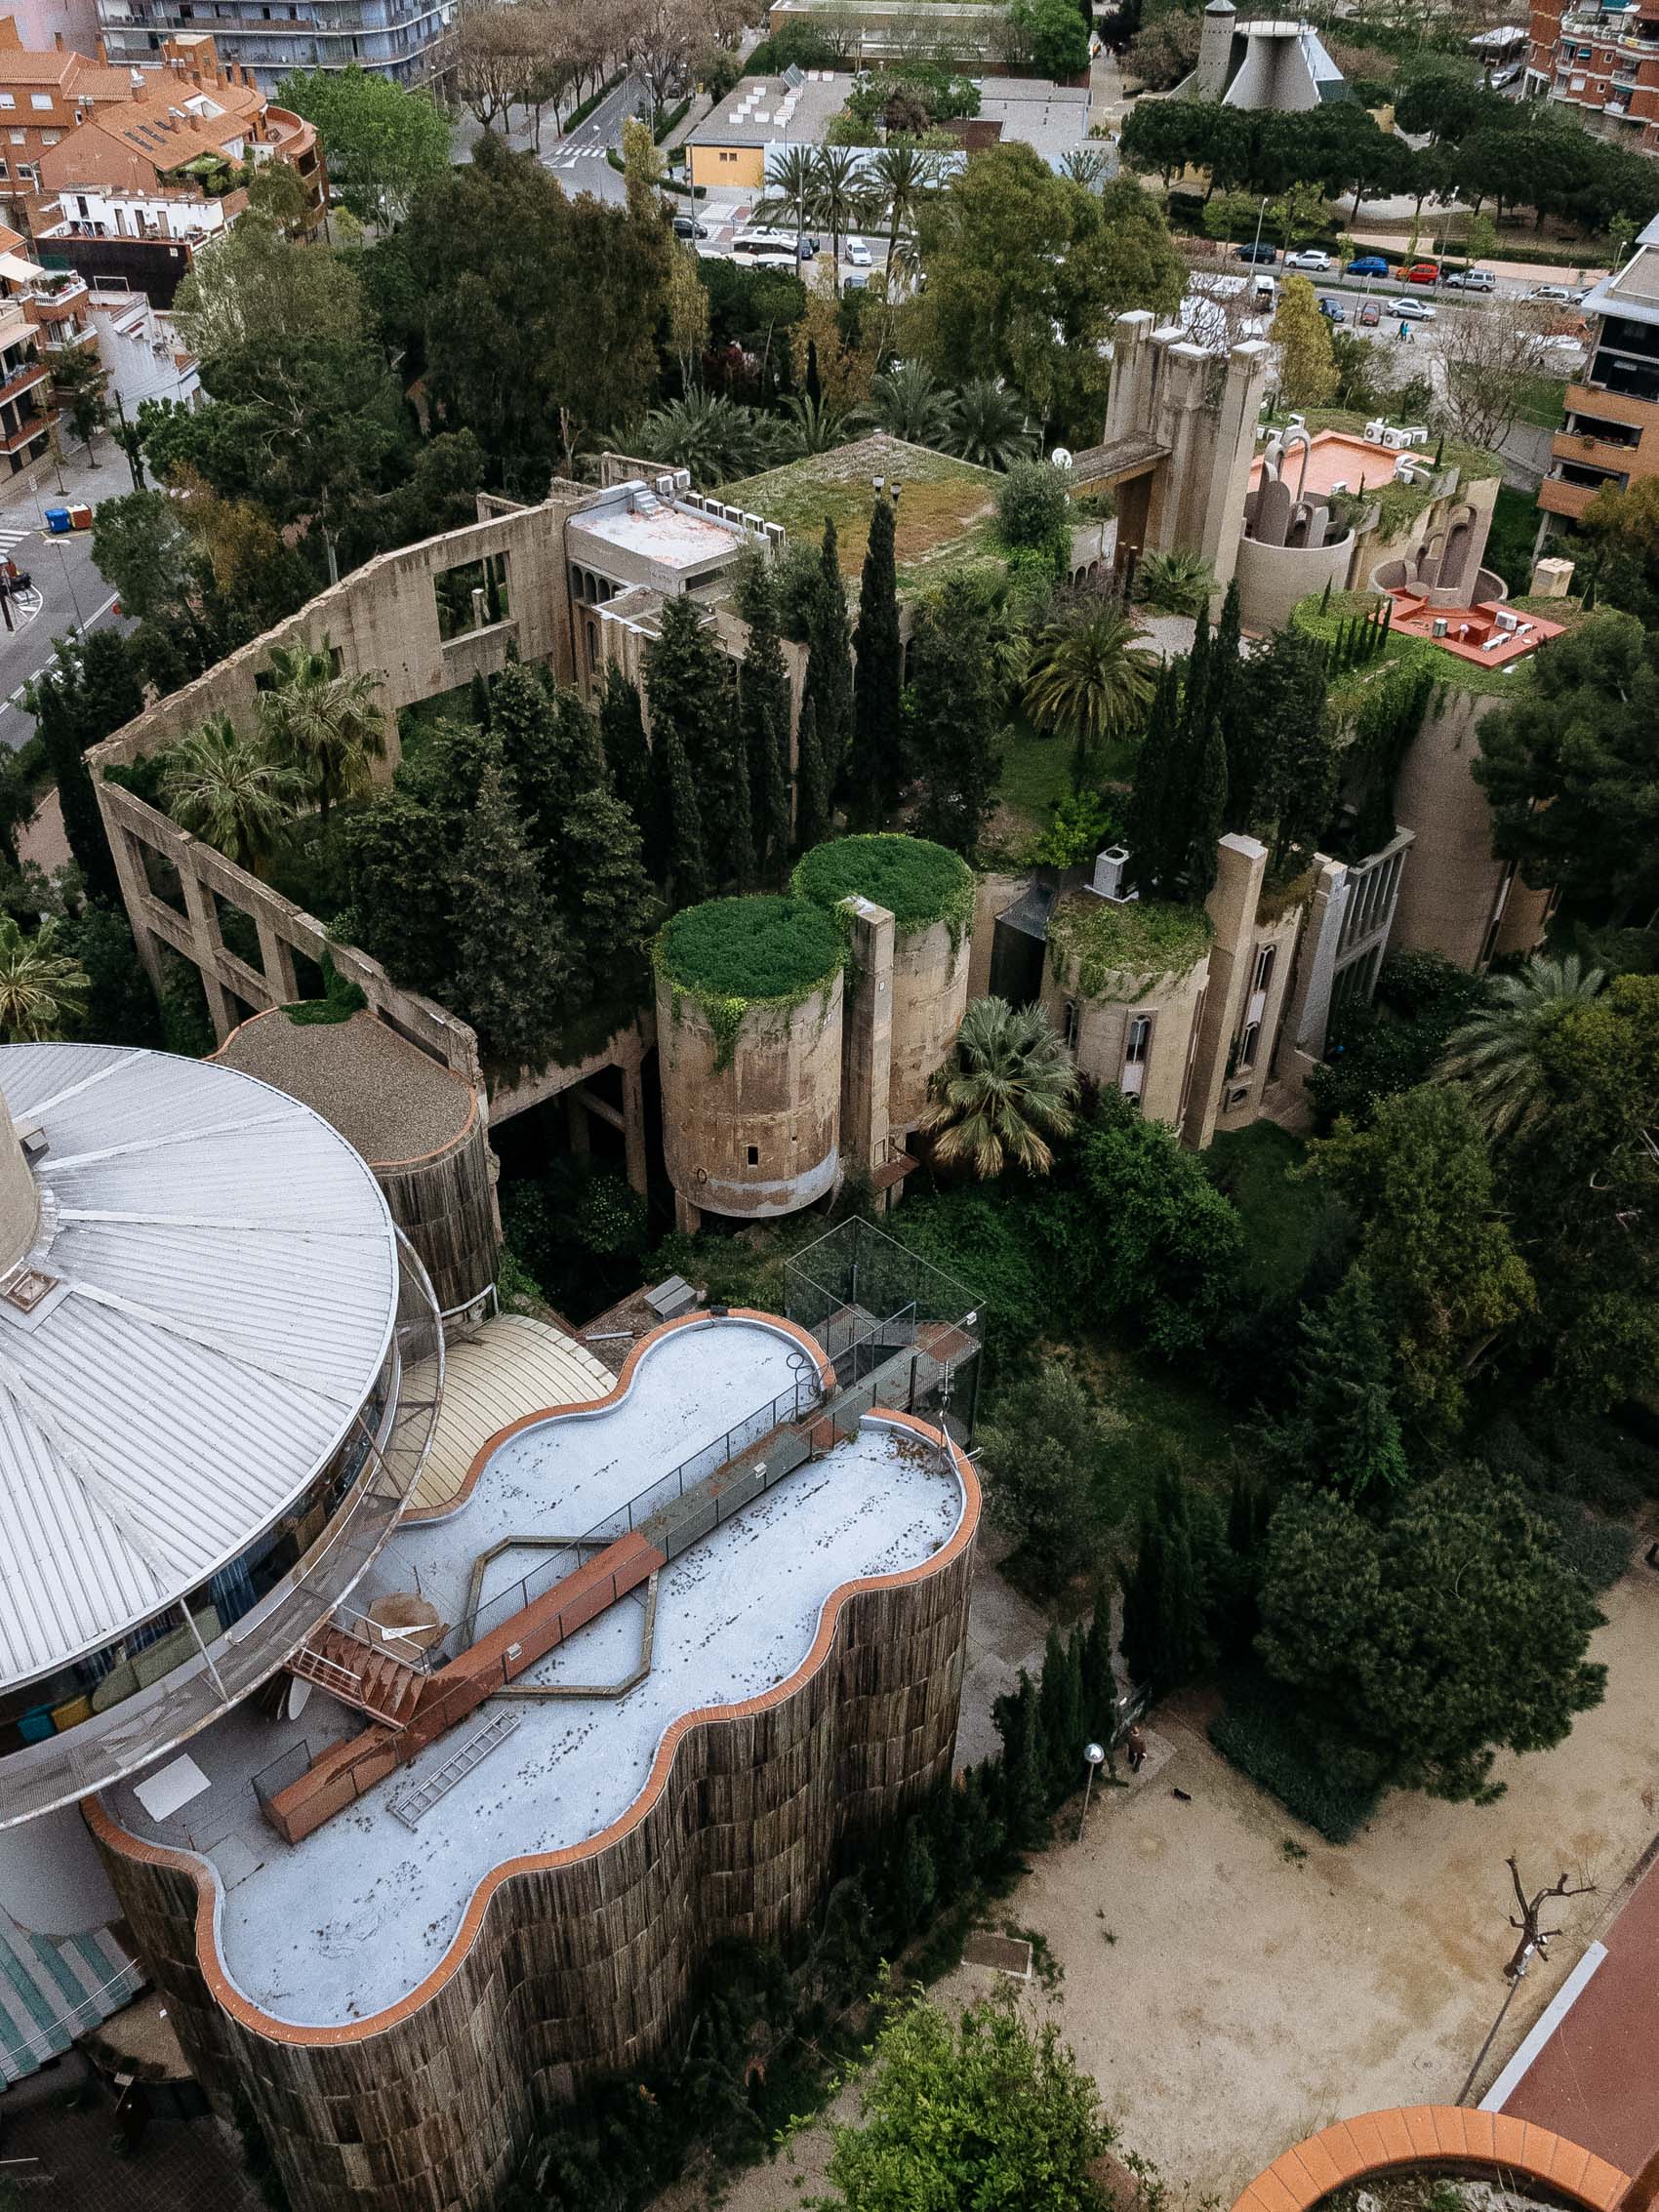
(908, 402)
(840, 195)
(1091, 675)
(1495, 1053)
(717, 438)
(900, 179)
(231, 795)
(1009, 1087)
(792, 189)
(990, 429)
(1175, 583)
(815, 425)
(41, 988)
(327, 726)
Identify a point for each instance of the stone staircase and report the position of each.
(355, 1671)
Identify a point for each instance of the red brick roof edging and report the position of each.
(1436, 2135)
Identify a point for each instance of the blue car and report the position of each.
(1368, 265)
(1333, 310)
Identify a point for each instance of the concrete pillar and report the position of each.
(866, 1038)
(1232, 908)
(204, 928)
(1315, 962)
(128, 858)
(1230, 460)
(1128, 398)
(633, 1124)
(688, 1219)
(1215, 47)
(277, 962)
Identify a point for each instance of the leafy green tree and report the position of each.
(510, 965)
(120, 1007)
(1166, 1593)
(1042, 1451)
(953, 705)
(266, 289)
(1307, 372)
(1572, 767)
(1496, 1054)
(78, 380)
(230, 793)
(1007, 1087)
(1421, 1646)
(1620, 564)
(1438, 1256)
(328, 727)
(1090, 675)
(87, 691)
(1169, 1243)
(146, 555)
(874, 776)
(383, 141)
(1034, 512)
(1343, 1429)
(43, 989)
(1054, 34)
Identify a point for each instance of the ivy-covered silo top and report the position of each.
(732, 955)
(918, 882)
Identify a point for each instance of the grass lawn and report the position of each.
(945, 506)
(1037, 772)
(1287, 1223)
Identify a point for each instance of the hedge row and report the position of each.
(1263, 1735)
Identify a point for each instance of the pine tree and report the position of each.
(510, 971)
(55, 721)
(829, 661)
(874, 772)
(812, 823)
(685, 856)
(764, 716)
(1344, 1430)
(627, 756)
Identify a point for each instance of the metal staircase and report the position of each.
(355, 1671)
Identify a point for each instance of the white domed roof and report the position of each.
(227, 1281)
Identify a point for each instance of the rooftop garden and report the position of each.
(947, 508)
(1325, 619)
(919, 883)
(735, 956)
(1399, 504)
(1099, 942)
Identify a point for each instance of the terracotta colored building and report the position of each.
(1604, 60)
(1611, 431)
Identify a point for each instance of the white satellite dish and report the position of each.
(1061, 457)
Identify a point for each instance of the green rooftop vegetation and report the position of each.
(1325, 619)
(1095, 943)
(947, 508)
(917, 881)
(733, 955)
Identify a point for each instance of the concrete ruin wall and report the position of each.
(578, 1962)
(1454, 888)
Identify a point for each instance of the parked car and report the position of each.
(1370, 315)
(1412, 310)
(1471, 280)
(688, 226)
(1333, 310)
(1310, 257)
(1561, 292)
(858, 253)
(1368, 265)
(1422, 272)
(1263, 253)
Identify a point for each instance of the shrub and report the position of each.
(1033, 510)
(1262, 1733)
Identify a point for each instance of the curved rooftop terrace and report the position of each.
(368, 1909)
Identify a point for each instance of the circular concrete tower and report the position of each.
(748, 1036)
(929, 891)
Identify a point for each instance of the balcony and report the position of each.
(64, 1768)
(1579, 450)
(23, 378)
(1558, 496)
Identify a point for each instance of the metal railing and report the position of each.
(91, 1756)
(107, 1998)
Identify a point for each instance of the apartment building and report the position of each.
(406, 40)
(1611, 433)
(44, 316)
(44, 98)
(1604, 60)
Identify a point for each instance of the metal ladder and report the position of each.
(411, 1806)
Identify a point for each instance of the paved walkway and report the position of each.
(1592, 2072)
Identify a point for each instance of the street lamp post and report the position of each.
(1261, 214)
(1094, 1757)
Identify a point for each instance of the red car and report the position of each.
(1422, 272)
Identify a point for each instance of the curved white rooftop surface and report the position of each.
(354, 1918)
(232, 1274)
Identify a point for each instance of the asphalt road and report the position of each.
(67, 594)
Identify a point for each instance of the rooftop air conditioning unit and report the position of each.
(1107, 882)
(1504, 620)
(1340, 485)
(1374, 431)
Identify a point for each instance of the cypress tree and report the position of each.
(627, 756)
(764, 716)
(812, 823)
(1206, 817)
(548, 748)
(1165, 1595)
(479, 700)
(1237, 732)
(510, 970)
(688, 681)
(829, 663)
(1025, 1767)
(603, 891)
(1098, 1685)
(1059, 1705)
(83, 825)
(685, 856)
(738, 814)
(1146, 826)
(873, 773)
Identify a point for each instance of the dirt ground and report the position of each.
(1233, 1982)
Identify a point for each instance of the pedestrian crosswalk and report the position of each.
(11, 539)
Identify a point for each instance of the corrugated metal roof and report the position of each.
(233, 1275)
